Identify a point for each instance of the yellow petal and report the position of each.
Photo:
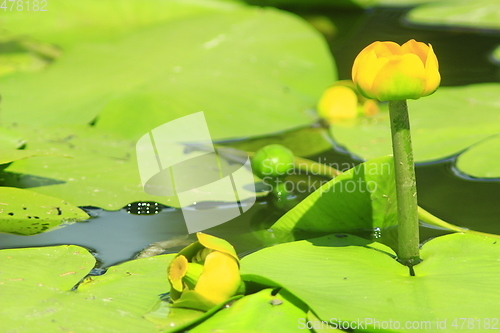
(433, 78)
(401, 78)
(220, 278)
(386, 49)
(176, 271)
(338, 102)
(417, 48)
(370, 107)
(368, 66)
(217, 244)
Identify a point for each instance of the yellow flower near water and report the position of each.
(342, 101)
(388, 72)
(204, 274)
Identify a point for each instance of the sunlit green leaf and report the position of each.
(349, 282)
(158, 67)
(37, 297)
(259, 312)
(25, 212)
(315, 3)
(68, 23)
(443, 124)
(495, 55)
(361, 198)
(479, 14)
(305, 141)
(90, 168)
(479, 160)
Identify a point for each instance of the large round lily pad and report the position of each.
(478, 14)
(90, 167)
(478, 160)
(37, 293)
(25, 212)
(340, 280)
(252, 71)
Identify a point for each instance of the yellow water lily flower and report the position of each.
(388, 72)
(342, 101)
(204, 274)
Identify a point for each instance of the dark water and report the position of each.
(118, 236)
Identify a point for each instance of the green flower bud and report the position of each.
(272, 161)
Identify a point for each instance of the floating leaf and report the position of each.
(7, 156)
(443, 124)
(402, 3)
(305, 141)
(259, 312)
(314, 3)
(349, 282)
(479, 14)
(495, 55)
(69, 23)
(45, 301)
(164, 66)
(477, 161)
(99, 170)
(24, 212)
(9, 139)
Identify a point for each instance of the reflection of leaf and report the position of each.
(101, 170)
(478, 14)
(252, 71)
(481, 160)
(24, 212)
(40, 282)
(443, 124)
(346, 282)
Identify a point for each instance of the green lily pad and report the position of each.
(7, 156)
(99, 169)
(405, 3)
(315, 3)
(477, 161)
(479, 14)
(24, 212)
(359, 284)
(37, 293)
(134, 80)
(304, 141)
(359, 199)
(69, 23)
(259, 312)
(10, 139)
(495, 55)
(443, 124)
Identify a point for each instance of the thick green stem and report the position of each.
(406, 188)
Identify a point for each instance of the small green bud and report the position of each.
(272, 161)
